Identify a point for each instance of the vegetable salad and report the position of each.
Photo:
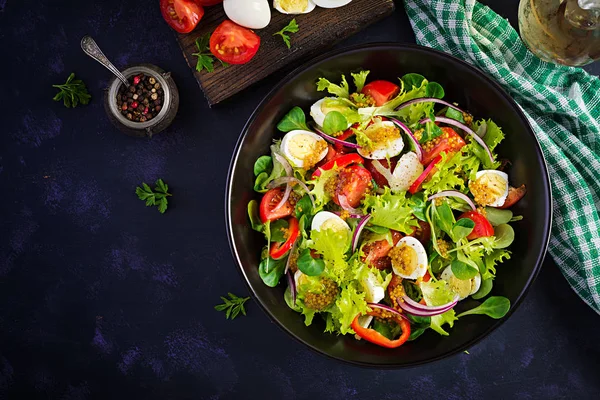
(384, 210)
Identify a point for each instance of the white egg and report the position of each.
(365, 320)
(317, 113)
(253, 14)
(299, 145)
(328, 220)
(331, 3)
(384, 150)
(490, 187)
(298, 276)
(374, 291)
(462, 287)
(407, 170)
(413, 256)
(293, 6)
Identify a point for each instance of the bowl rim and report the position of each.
(387, 46)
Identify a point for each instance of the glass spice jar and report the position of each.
(139, 125)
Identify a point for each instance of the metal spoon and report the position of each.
(90, 48)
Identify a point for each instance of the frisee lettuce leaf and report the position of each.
(319, 191)
(393, 211)
(437, 293)
(359, 80)
(341, 90)
(332, 245)
(348, 305)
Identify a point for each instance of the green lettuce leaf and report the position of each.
(343, 106)
(393, 211)
(448, 175)
(341, 90)
(332, 245)
(348, 305)
(319, 191)
(437, 293)
(359, 80)
(491, 260)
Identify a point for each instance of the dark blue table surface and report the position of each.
(101, 297)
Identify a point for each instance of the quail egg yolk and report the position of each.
(294, 6)
(404, 259)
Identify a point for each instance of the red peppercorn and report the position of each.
(134, 104)
(124, 106)
(146, 110)
(136, 80)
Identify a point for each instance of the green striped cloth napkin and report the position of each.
(563, 107)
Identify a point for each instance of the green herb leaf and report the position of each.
(72, 92)
(497, 216)
(455, 114)
(295, 119)
(292, 27)
(334, 122)
(484, 289)
(462, 228)
(304, 207)
(462, 270)
(378, 230)
(156, 197)
(308, 265)
(434, 89)
(495, 307)
(505, 235)
(206, 59)
(418, 325)
(444, 218)
(263, 164)
(430, 131)
(253, 214)
(279, 230)
(271, 271)
(232, 306)
(412, 81)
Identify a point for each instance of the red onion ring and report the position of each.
(288, 171)
(454, 193)
(288, 179)
(465, 128)
(334, 140)
(346, 206)
(414, 308)
(427, 100)
(387, 308)
(413, 139)
(292, 285)
(359, 228)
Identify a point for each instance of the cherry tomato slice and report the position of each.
(381, 91)
(279, 250)
(376, 252)
(234, 44)
(270, 201)
(380, 179)
(341, 162)
(182, 15)
(514, 195)
(449, 141)
(430, 170)
(353, 182)
(482, 228)
(422, 233)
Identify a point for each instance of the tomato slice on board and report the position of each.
(353, 182)
(514, 195)
(449, 141)
(482, 228)
(210, 2)
(381, 91)
(341, 162)
(380, 179)
(279, 250)
(182, 15)
(234, 44)
(430, 170)
(270, 201)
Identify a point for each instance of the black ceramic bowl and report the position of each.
(463, 84)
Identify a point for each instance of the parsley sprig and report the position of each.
(232, 305)
(292, 27)
(72, 92)
(206, 59)
(156, 197)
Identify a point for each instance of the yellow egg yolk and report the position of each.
(404, 259)
(294, 6)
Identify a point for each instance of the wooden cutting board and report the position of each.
(319, 29)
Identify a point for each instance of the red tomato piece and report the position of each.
(270, 201)
(482, 228)
(376, 252)
(381, 91)
(380, 179)
(348, 133)
(353, 182)
(182, 15)
(279, 250)
(514, 195)
(449, 141)
(422, 233)
(234, 44)
(430, 170)
(341, 162)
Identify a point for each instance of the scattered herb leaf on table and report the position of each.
(232, 305)
(72, 92)
(156, 197)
